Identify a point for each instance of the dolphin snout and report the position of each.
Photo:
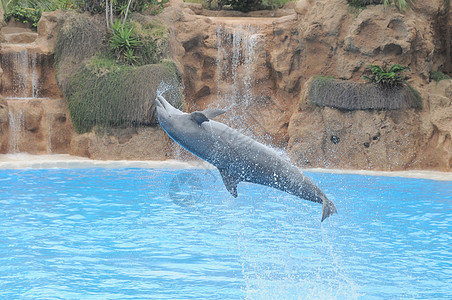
(158, 103)
(166, 106)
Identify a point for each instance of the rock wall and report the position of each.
(346, 43)
(375, 139)
(35, 126)
(143, 143)
(33, 115)
(324, 37)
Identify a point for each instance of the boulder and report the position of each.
(142, 143)
(48, 29)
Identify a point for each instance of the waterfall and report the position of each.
(24, 74)
(236, 64)
(16, 128)
(19, 62)
(237, 58)
(37, 116)
(21, 77)
(34, 76)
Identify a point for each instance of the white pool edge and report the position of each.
(65, 161)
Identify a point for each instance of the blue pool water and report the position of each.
(178, 234)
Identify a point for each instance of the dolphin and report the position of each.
(237, 157)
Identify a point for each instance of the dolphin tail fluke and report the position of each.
(328, 208)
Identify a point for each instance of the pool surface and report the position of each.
(130, 233)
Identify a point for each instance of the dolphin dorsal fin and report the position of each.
(230, 182)
(205, 115)
(212, 113)
(198, 117)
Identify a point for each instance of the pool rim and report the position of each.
(66, 161)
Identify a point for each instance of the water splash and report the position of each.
(171, 91)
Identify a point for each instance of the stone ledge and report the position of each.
(21, 37)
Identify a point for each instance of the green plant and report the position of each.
(401, 4)
(93, 6)
(248, 5)
(26, 11)
(24, 15)
(275, 3)
(129, 56)
(155, 7)
(438, 76)
(155, 45)
(31, 4)
(388, 78)
(29, 11)
(102, 64)
(65, 4)
(362, 3)
(123, 42)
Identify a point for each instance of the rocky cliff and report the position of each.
(309, 38)
(260, 65)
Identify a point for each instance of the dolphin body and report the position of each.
(237, 157)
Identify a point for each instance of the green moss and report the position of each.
(438, 76)
(401, 4)
(347, 95)
(102, 64)
(155, 40)
(320, 83)
(80, 36)
(417, 98)
(241, 5)
(103, 95)
(324, 79)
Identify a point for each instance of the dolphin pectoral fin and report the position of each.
(212, 113)
(328, 208)
(198, 117)
(230, 182)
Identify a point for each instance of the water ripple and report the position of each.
(116, 234)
